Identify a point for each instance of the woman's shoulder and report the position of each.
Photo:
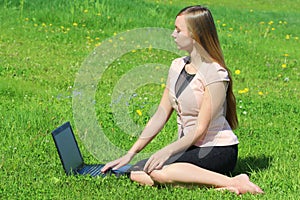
(181, 60)
(212, 68)
(212, 72)
(178, 63)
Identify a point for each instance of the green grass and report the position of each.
(42, 46)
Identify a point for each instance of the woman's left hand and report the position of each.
(157, 160)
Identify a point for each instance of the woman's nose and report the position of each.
(174, 34)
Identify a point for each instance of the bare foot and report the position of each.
(244, 185)
(230, 189)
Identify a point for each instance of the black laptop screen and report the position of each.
(67, 147)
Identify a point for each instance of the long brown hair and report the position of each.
(201, 25)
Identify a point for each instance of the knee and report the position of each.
(159, 176)
(134, 176)
(141, 177)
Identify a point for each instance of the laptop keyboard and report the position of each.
(93, 170)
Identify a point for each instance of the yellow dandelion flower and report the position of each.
(237, 72)
(44, 25)
(115, 33)
(260, 93)
(231, 29)
(224, 25)
(133, 51)
(287, 37)
(26, 19)
(75, 24)
(261, 23)
(243, 91)
(110, 40)
(97, 38)
(108, 17)
(270, 22)
(150, 47)
(35, 25)
(285, 55)
(85, 11)
(251, 10)
(139, 112)
(98, 14)
(273, 29)
(283, 65)
(296, 38)
(163, 85)
(121, 38)
(98, 44)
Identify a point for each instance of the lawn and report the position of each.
(74, 61)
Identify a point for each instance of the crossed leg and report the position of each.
(191, 174)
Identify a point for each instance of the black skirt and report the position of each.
(220, 159)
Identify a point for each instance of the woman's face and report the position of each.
(181, 34)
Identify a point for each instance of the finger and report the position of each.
(103, 170)
(107, 166)
(159, 166)
(146, 167)
(118, 166)
(152, 166)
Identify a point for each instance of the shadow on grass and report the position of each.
(252, 164)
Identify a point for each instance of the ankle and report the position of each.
(233, 182)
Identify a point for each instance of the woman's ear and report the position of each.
(194, 41)
(191, 35)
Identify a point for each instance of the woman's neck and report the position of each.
(196, 59)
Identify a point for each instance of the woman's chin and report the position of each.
(180, 48)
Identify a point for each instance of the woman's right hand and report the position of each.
(124, 160)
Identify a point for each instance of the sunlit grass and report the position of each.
(42, 46)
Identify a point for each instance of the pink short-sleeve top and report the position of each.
(188, 104)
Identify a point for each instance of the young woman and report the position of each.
(199, 89)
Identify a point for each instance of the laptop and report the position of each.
(72, 159)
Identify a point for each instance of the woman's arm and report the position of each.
(213, 100)
(154, 125)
